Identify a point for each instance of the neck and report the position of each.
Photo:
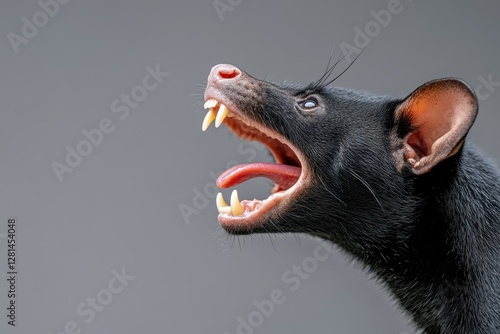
(442, 264)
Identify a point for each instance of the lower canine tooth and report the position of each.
(221, 114)
(236, 208)
(222, 206)
(209, 118)
(220, 201)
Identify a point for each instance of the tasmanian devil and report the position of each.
(392, 181)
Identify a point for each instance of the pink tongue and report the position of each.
(283, 175)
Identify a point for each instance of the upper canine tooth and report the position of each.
(236, 208)
(210, 103)
(209, 118)
(221, 114)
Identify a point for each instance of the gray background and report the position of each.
(120, 207)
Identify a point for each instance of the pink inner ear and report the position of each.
(416, 147)
(442, 112)
(438, 114)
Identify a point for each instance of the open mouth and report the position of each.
(289, 172)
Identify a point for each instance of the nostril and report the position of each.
(228, 73)
(223, 72)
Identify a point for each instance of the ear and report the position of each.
(439, 115)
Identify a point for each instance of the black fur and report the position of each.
(432, 239)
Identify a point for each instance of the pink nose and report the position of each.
(223, 72)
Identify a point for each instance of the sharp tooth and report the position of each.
(236, 208)
(221, 114)
(222, 206)
(220, 201)
(209, 118)
(210, 104)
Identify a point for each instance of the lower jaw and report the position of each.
(257, 214)
(262, 216)
(268, 215)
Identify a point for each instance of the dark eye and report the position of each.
(309, 104)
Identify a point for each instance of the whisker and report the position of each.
(345, 70)
(267, 73)
(196, 104)
(324, 187)
(367, 186)
(272, 243)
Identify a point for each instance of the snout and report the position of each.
(236, 87)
